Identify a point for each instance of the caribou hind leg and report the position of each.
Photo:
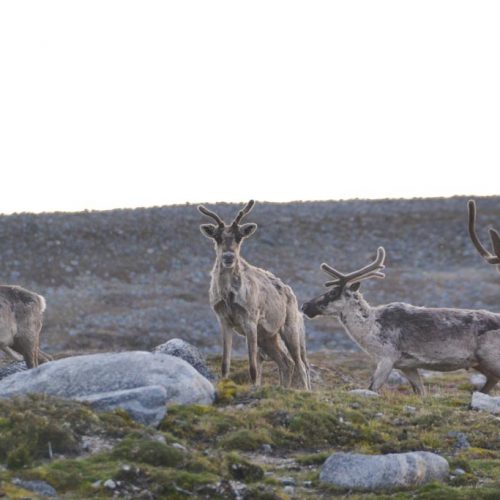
(414, 378)
(489, 359)
(275, 349)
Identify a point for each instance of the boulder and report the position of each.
(189, 353)
(383, 472)
(484, 402)
(139, 382)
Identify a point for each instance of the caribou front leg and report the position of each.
(381, 374)
(250, 330)
(227, 345)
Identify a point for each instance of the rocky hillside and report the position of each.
(126, 279)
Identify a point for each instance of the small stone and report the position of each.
(484, 402)
(266, 449)
(36, 486)
(409, 409)
(179, 447)
(289, 490)
(307, 484)
(355, 406)
(378, 415)
(477, 380)
(96, 484)
(110, 484)
(288, 481)
(458, 472)
(364, 392)
(461, 441)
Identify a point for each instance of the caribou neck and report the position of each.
(228, 280)
(357, 318)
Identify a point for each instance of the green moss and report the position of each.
(243, 470)
(148, 452)
(313, 459)
(245, 440)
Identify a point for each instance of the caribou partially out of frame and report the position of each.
(21, 316)
(491, 258)
(406, 337)
(254, 303)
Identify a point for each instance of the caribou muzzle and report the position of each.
(310, 309)
(228, 259)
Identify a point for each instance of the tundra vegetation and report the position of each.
(265, 438)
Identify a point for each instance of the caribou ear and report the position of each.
(247, 230)
(355, 286)
(208, 230)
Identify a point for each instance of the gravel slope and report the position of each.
(132, 279)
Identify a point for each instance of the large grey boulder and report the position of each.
(184, 350)
(139, 382)
(484, 402)
(383, 472)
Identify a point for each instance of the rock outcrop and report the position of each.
(139, 382)
(383, 472)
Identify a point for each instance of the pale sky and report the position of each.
(107, 104)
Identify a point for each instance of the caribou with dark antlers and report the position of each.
(406, 337)
(491, 258)
(254, 303)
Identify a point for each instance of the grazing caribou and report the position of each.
(21, 316)
(406, 337)
(491, 258)
(254, 303)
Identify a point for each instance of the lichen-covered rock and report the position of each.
(10, 369)
(484, 402)
(39, 487)
(383, 472)
(184, 350)
(110, 377)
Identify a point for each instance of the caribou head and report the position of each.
(342, 285)
(228, 238)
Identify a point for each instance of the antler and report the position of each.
(370, 271)
(243, 212)
(495, 237)
(213, 215)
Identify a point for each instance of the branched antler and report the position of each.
(211, 214)
(370, 271)
(495, 238)
(243, 212)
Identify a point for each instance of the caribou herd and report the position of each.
(256, 304)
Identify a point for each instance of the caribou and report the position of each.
(256, 304)
(21, 317)
(406, 337)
